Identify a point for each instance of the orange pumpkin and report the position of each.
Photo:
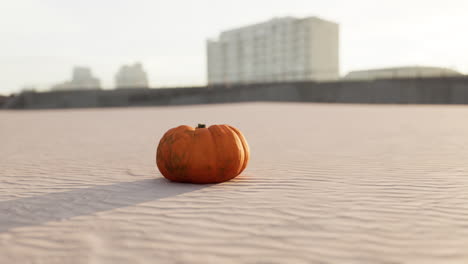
(202, 155)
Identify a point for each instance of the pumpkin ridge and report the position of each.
(245, 147)
(218, 139)
(192, 151)
(160, 162)
(169, 162)
(176, 170)
(214, 132)
(241, 149)
(214, 149)
(227, 134)
(182, 170)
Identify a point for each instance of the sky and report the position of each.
(41, 40)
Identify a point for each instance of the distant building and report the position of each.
(82, 79)
(131, 76)
(401, 72)
(281, 49)
(29, 88)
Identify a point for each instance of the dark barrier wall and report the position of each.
(395, 91)
(3, 100)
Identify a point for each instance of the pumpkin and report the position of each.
(202, 155)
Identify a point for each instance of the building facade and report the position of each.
(131, 76)
(401, 72)
(282, 49)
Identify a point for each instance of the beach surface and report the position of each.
(326, 183)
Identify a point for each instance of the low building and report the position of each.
(131, 76)
(82, 79)
(401, 72)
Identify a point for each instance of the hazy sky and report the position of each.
(41, 40)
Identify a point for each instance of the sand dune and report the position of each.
(326, 184)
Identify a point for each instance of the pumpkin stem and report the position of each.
(201, 126)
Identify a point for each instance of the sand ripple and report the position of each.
(326, 184)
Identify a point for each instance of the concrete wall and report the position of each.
(3, 100)
(396, 91)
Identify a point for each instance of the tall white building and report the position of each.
(131, 76)
(281, 49)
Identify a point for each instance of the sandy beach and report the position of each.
(326, 183)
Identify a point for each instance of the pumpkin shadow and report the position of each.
(85, 201)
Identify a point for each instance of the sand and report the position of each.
(326, 184)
